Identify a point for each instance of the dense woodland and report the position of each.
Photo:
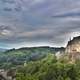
(49, 68)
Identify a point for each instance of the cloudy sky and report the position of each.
(38, 22)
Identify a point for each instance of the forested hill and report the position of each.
(14, 57)
(41, 48)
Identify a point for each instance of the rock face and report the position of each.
(73, 48)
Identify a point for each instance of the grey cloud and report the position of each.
(50, 22)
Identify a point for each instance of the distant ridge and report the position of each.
(2, 50)
(55, 49)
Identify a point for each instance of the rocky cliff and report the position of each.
(73, 48)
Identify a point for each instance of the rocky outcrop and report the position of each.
(73, 48)
(7, 74)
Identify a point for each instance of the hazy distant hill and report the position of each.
(2, 50)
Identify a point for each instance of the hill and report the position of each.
(14, 57)
(2, 50)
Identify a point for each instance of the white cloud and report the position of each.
(5, 32)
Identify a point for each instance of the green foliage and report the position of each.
(49, 68)
(15, 57)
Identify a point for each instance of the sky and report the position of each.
(27, 23)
